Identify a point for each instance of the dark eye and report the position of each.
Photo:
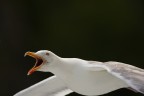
(47, 54)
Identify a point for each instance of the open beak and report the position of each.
(39, 62)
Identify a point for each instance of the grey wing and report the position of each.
(132, 75)
(52, 86)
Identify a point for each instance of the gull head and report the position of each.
(44, 60)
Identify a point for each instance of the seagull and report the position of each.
(91, 78)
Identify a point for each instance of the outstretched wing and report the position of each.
(52, 86)
(132, 75)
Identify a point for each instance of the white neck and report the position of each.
(62, 67)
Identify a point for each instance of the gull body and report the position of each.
(79, 77)
(83, 77)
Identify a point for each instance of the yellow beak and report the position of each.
(39, 62)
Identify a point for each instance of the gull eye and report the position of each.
(47, 54)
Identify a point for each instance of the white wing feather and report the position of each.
(132, 75)
(52, 86)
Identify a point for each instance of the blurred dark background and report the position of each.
(109, 30)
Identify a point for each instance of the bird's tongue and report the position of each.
(39, 62)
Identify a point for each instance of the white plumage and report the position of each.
(81, 76)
